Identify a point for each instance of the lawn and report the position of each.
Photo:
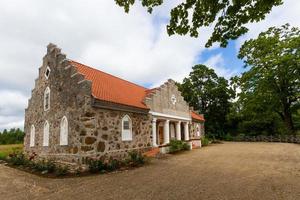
(5, 150)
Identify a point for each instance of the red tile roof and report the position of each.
(113, 89)
(110, 88)
(197, 116)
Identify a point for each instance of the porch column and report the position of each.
(166, 132)
(186, 131)
(154, 144)
(178, 130)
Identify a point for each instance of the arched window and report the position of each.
(198, 130)
(126, 128)
(64, 131)
(46, 134)
(47, 99)
(32, 136)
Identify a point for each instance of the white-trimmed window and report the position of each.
(198, 130)
(47, 72)
(47, 99)
(126, 128)
(32, 136)
(64, 131)
(46, 134)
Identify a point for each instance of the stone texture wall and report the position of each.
(193, 129)
(93, 132)
(160, 100)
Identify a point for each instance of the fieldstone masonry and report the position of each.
(92, 132)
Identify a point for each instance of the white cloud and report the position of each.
(217, 63)
(134, 46)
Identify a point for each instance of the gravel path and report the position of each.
(224, 171)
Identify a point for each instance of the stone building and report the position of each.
(77, 112)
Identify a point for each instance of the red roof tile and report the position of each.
(197, 116)
(113, 89)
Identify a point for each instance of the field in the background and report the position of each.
(5, 150)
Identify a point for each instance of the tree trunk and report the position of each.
(287, 117)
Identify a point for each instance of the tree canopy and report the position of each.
(209, 95)
(228, 17)
(13, 136)
(273, 78)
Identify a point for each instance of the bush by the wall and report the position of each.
(178, 145)
(204, 141)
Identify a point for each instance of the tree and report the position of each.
(210, 95)
(228, 16)
(13, 136)
(273, 79)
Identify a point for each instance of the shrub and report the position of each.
(136, 158)
(18, 159)
(44, 166)
(228, 137)
(61, 170)
(178, 145)
(204, 141)
(96, 165)
(113, 165)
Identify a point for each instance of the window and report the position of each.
(32, 136)
(198, 130)
(64, 131)
(47, 72)
(46, 134)
(47, 99)
(126, 128)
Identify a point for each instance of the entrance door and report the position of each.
(161, 134)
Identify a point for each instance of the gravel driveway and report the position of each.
(224, 171)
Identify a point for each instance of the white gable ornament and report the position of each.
(173, 99)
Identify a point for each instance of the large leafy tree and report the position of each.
(227, 16)
(273, 79)
(210, 95)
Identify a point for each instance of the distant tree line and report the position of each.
(265, 100)
(13, 136)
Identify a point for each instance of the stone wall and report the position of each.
(263, 138)
(93, 132)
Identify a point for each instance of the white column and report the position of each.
(166, 132)
(186, 131)
(178, 130)
(154, 132)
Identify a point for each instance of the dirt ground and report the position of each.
(224, 171)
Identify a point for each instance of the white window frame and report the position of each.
(32, 136)
(198, 130)
(64, 131)
(47, 92)
(127, 133)
(48, 68)
(46, 134)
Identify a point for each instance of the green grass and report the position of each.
(5, 150)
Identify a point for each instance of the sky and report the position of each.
(133, 46)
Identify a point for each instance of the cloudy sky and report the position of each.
(134, 46)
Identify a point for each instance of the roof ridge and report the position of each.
(109, 74)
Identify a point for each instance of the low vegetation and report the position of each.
(18, 159)
(204, 141)
(135, 159)
(5, 150)
(178, 145)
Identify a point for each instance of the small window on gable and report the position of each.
(47, 72)
(47, 99)
(64, 131)
(126, 128)
(46, 134)
(32, 136)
